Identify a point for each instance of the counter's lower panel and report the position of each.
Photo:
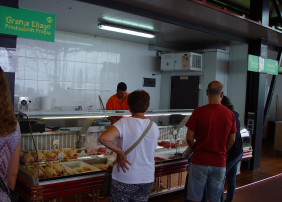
(168, 177)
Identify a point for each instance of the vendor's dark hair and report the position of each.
(122, 86)
(226, 102)
(138, 101)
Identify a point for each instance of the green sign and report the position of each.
(27, 23)
(253, 63)
(271, 66)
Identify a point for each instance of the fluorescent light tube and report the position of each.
(125, 31)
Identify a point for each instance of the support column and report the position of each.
(255, 102)
(256, 81)
(271, 89)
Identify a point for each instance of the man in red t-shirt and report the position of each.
(211, 132)
(118, 101)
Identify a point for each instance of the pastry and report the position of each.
(40, 155)
(60, 171)
(50, 156)
(71, 153)
(37, 171)
(27, 158)
(50, 172)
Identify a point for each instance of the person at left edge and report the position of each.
(118, 101)
(10, 140)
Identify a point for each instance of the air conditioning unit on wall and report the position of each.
(181, 61)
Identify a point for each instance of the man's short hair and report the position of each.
(138, 101)
(215, 88)
(122, 86)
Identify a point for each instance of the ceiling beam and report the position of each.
(278, 10)
(117, 5)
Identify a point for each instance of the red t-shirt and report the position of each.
(212, 124)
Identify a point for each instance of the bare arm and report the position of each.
(230, 140)
(14, 167)
(107, 139)
(190, 138)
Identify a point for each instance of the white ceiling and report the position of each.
(79, 17)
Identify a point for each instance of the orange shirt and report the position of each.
(114, 103)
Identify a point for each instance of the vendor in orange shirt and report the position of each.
(118, 101)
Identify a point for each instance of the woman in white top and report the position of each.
(133, 174)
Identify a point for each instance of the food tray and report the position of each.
(77, 167)
(96, 160)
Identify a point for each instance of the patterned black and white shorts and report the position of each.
(130, 192)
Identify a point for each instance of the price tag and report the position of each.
(82, 153)
(61, 156)
(56, 143)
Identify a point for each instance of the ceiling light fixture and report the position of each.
(123, 30)
(128, 23)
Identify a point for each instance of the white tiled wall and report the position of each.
(76, 69)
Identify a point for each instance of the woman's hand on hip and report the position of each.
(122, 162)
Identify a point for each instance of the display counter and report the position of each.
(68, 159)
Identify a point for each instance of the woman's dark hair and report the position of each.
(226, 102)
(138, 101)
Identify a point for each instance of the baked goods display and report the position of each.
(50, 155)
(56, 169)
(71, 153)
(58, 162)
(48, 170)
(38, 156)
(29, 157)
(36, 170)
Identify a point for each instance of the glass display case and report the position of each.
(62, 148)
(60, 152)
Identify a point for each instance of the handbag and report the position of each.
(106, 184)
(13, 195)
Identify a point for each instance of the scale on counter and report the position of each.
(23, 104)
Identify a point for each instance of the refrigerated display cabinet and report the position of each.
(68, 159)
